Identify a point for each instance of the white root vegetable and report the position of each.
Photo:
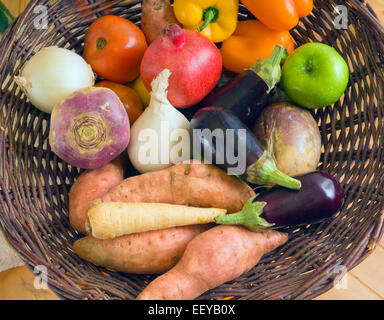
(160, 136)
(109, 220)
(52, 74)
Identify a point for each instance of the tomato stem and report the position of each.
(101, 43)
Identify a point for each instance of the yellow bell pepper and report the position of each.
(215, 19)
(141, 90)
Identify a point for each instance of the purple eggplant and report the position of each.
(219, 137)
(319, 198)
(247, 94)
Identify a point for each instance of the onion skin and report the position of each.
(52, 74)
(89, 128)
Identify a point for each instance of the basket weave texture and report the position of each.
(34, 183)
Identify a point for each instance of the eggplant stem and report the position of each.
(248, 217)
(269, 69)
(264, 171)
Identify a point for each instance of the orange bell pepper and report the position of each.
(279, 14)
(250, 42)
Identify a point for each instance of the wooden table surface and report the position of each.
(364, 282)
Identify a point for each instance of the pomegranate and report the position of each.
(194, 61)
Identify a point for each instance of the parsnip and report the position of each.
(109, 220)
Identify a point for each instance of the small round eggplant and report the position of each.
(319, 198)
(292, 135)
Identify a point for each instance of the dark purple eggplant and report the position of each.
(248, 93)
(319, 198)
(226, 77)
(219, 137)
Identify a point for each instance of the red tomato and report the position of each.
(114, 47)
(128, 97)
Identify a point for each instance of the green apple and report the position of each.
(314, 75)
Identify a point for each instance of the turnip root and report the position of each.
(292, 136)
(216, 256)
(89, 128)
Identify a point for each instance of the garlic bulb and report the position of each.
(160, 136)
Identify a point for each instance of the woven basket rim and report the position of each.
(313, 286)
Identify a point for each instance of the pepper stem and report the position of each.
(269, 69)
(210, 15)
(248, 217)
(264, 171)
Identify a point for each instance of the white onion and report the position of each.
(170, 142)
(52, 74)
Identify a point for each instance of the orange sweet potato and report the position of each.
(195, 184)
(152, 252)
(156, 16)
(212, 258)
(91, 185)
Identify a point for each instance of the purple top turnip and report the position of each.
(89, 128)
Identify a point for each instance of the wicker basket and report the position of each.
(35, 183)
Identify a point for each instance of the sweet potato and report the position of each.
(212, 258)
(91, 185)
(192, 184)
(156, 16)
(109, 220)
(152, 252)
